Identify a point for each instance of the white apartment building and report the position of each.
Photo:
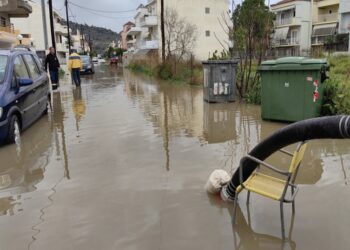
(33, 27)
(344, 10)
(79, 42)
(205, 14)
(292, 28)
(10, 9)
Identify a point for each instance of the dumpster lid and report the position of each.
(293, 63)
(220, 62)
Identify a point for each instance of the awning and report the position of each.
(281, 33)
(324, 30)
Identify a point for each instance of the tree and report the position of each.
(180, 36)
(162, 29)
(252, 26)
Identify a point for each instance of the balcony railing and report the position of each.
(328, 17)
(149, 21)
(286, 42)
(151, 44)
(7, 28)
(284, 21)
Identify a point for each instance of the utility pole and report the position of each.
(162, 27)
(67, 17)
(82, 37)
(43, 11)
(53, 39)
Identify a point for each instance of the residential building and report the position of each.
(205, 14)
(10, 9)
(344, 10)
(292, 28)
(144, 36)
(79, 42)
(124, 33)
(33, 27)
(325, 22)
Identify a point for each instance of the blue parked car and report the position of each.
(24, 92)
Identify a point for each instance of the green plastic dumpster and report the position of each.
(292, 88)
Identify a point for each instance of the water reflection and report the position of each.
(59, 131)
(219, 123)
(21, 170)
(177, 110)
(79, 106)
(244, 236)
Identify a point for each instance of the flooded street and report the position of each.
(122, 162)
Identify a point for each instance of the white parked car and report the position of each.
(95, 60)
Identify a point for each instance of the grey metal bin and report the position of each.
(219, 81)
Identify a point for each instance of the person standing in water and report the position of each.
(74, 66)
(54, 66)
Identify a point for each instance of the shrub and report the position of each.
(253, 95)
(337, 87)
(165, 71)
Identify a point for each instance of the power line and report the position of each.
(102, 11)
(99, 15)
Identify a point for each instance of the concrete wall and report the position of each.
(194, 12)
(34, 25)
(303, 14)
(344, 10)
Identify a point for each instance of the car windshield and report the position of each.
(85, 59)
(3, 63)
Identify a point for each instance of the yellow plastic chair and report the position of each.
(273, 187)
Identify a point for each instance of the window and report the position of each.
(207, 33)
(20, 69)
(207, 10)
(33, 68)
(3, 22)
(3, 64)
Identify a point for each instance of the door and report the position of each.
(39, 83)
(24, 95)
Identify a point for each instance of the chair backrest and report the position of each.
(297, 157)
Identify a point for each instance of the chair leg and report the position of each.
(282, 220)
(235, 209)
(248, 197)
(293, 203)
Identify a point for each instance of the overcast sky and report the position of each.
(107, 20)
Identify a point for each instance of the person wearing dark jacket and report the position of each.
(54, 66)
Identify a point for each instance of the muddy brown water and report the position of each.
(121, 164)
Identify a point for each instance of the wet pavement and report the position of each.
(121, 163)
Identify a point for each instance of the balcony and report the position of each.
(131, 41)
(290, 21)
(7, 35)
(286, 42)
(149, 21)
(134, 31)
(61, 47)
(328, 18)
(148, 45)
(16, 8)
(61, 29)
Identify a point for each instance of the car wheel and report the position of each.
(14, 132)
(48, 108)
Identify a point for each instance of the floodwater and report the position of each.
(122, 162)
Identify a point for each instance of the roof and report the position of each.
(287, 1)
(129, 23)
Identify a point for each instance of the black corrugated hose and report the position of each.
(330, 127)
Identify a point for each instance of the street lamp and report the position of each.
(32, 41)
(20, 38)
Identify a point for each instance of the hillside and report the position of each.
(100, 37)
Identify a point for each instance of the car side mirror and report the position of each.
(25, 82)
